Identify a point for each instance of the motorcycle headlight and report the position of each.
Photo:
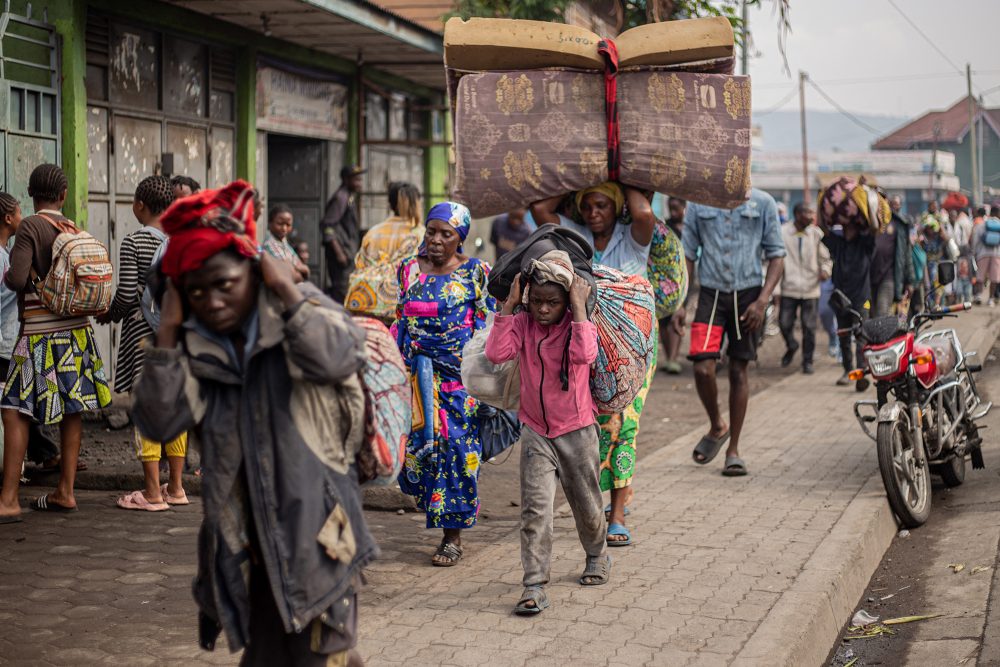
(886, 361)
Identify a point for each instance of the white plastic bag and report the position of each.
(498, 385)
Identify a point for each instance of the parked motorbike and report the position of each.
(927, 407)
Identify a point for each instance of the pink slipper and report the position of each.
(137, 501)
(174, 500)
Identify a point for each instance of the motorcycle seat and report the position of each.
(944, 354)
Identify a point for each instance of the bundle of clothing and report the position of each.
(850, 201)
(624, 314)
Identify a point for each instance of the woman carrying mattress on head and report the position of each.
(621, 238)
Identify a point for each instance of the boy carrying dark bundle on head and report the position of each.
(555, 343)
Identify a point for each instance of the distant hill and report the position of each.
(827, 130)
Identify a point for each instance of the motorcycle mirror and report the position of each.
(839, 302)
(946, 272)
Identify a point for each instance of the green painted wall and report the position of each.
(69, 19)
(246, 115)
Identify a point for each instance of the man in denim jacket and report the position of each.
(727, 245)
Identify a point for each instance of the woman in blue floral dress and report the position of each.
(442, 302)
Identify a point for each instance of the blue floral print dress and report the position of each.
(435, 317)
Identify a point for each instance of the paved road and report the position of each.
(713, 556)
(914, 576)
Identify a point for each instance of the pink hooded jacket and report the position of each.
(545, 407)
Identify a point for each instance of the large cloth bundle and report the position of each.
(625, 338)
(667, 271)
(373, 291)
(850, 202)
(528, 127)
(498, 385)
(525, 136)
(388, 406)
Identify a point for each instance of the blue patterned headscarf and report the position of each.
(454, 214)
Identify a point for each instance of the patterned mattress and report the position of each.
(524, 136)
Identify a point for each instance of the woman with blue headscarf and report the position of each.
(442, 302)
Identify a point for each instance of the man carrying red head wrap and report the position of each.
(204, 224)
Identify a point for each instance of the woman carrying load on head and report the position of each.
(442, 302)
(620, 242)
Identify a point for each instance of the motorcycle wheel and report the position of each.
(952, 472)
(907, 486)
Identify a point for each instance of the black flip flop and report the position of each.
(14, 518)
(42, 504)
(709, 448)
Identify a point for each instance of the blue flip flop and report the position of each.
(619, 529)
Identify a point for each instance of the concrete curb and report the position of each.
(806, 620)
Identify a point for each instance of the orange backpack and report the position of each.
(80, 280)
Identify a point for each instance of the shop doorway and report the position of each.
(297, 177)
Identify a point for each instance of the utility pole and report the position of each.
(745, 52)
(937, 133)
(972, 135)
(805, 150)
(981, 197)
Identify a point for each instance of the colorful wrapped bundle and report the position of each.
(373, 291)
(388, 410)
(667, 271)
(849, 202)
(625, 336)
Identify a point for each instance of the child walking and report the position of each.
(556, 346)
(138, 250)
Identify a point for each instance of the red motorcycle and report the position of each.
(926, 408)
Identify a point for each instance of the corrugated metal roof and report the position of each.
(952, 124)
(350, 29)
(428, 13)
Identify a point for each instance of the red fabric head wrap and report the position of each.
(206, 223)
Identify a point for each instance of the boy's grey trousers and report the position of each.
(574, 459)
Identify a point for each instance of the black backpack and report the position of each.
(542, 240)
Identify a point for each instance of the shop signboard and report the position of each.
(296, 105)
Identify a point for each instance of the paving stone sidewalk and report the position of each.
(712, 557)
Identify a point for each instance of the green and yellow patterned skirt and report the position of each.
(618, 434)
(56, 374)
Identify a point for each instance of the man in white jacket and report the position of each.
(807, 264)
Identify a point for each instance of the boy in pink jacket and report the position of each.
(556, 345)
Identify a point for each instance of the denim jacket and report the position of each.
(728, 243)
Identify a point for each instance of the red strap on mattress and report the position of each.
(607, 49)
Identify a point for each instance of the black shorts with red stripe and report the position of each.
(717, 319)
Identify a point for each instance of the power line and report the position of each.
(785, 100)
(924, 35)
(857, 121)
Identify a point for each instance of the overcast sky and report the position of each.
(861, 39)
